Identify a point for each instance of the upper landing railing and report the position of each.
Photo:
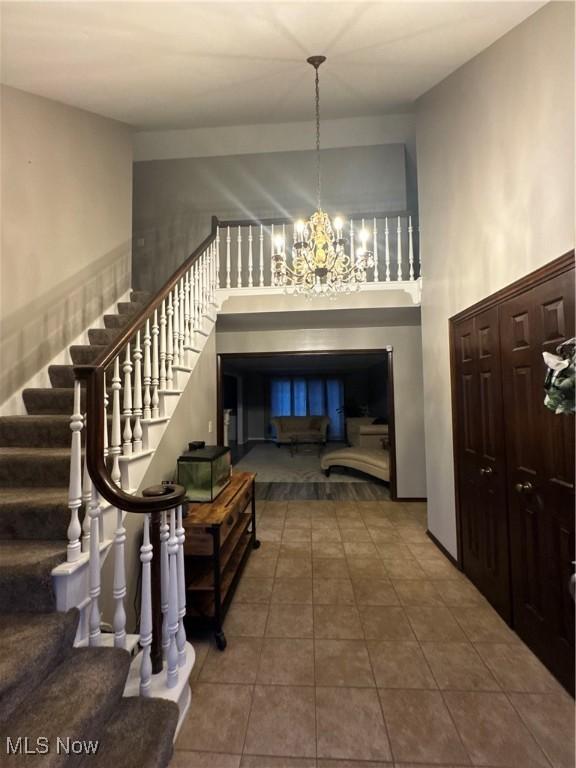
(246, 248)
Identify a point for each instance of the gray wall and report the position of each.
(66, 225)
(496, 183)
(174, 199)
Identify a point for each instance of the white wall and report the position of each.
(66, 222)
(495, 146)
(409, 406)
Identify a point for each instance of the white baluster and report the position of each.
(399, 247)
(271, 245)
(176, 327)
(387, 249)
(218, 271)
(205, 286)
(137, 402)
(155, 410)
(375, 243)
(169, 344)
(250, 264)
(162, 339)
(119, 588)
(172, 655)
(201, 289)
(410, 248)
(239, 258)
(86, 499)
(187, 321)
(146, 610)
(127, 405)
(228, 241)
(181, 331)
(261, 282)
(73, 548)
(116, 435)
(94, 569)
(147, 373)
(164, 536)
(352, 243)
(181, 634)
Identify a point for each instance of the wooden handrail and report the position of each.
(93, 376)
(287, 220)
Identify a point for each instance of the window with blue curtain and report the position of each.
(309, 396)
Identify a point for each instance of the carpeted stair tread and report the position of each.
(53, 401)
(61, 376)
(34, 513)
(35, 430)
(31, 645)
(116, 321)
(102, 336)
(130, 307)
(138, 735)
(142, 297)
(23, 467)
(75, 701)
(86, 354)
(25, 575)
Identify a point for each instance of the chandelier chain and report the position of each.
(318, 165)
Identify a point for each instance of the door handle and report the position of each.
(525, 487)
(486, 471)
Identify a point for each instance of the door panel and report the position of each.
(540, 461)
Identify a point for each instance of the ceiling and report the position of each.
(191, 64)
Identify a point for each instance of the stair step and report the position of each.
(115, 321)
(130, 307)
(31, 645)
(35, 431)
(84, 354)
(34, 513)
(53, 400)
(75, 701)
(36, 467)
(25, 575)
(102, 336)
(142, 297)
(138, 735)
(61, 376)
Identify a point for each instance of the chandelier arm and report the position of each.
(318, 165)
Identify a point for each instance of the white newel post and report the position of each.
(169, 343)
(261, 255)
(127, 409)
(410, 248)
(239, 258)
(73, 548)
(172, 655)
(94, 569)
(387, 248)
(399, 247)
(155, 400)
(146, 610)
(164, 536)
(119, 588)
(181, 634)
(147, 373)
(137, 401)
(162, 372)
(375, 243)
(228, 265)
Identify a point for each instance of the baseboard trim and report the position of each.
(443, 549)
(411, 498)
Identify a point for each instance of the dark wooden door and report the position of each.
(481, 458)
(540, 460)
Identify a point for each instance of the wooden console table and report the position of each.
(219, 537)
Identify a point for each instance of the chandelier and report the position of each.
(320, 264)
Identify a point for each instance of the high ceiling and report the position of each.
(189, 64)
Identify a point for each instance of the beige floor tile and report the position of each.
(257, 761)
(326, 534)
(337, 622)
(366, 567)
(417, 592)
(261, 567)
(392, 551)
(491, 730)
(355, 535)
(377, 520)
(438, 568)
(290, 621)
(420, 727)
(288, 591)
(246, 620)
(425, 550)
(434, 623)
(282, 722)
(286, 662)
(459, 593)
(355, 764)
(324, 524)
(413, 536)
(385, 536)
(253, 590)
(550, 718)
(403, 569)
(202, 644)
(351, 525)
(375, 592)
(458, 666)
(275, 507)
(385, 623)
(187, 759)
(301, 549)
(327, 549)
(291, 535)
(360, 549)
(483, 625)
(333, 592)
(400, 665)
(350, 725)
(237, 664)
(342, 662)
(343, 513)
(217, 721)
(266, 534)
(517, 669)
(298, 524)
(293, 567)
(330, 567)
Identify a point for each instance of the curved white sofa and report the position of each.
(373, 462)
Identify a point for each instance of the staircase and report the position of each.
(48, 688)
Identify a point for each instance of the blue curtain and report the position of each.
(309, 396)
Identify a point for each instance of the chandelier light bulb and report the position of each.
(279, 242)
(300, 226)
(338, 223)
(364, 235)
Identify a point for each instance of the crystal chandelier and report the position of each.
(320, 265)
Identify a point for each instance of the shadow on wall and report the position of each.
(36, 333)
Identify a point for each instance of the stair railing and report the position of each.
(118, 401)
(245, 262)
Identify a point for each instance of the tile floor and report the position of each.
(354, 643)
